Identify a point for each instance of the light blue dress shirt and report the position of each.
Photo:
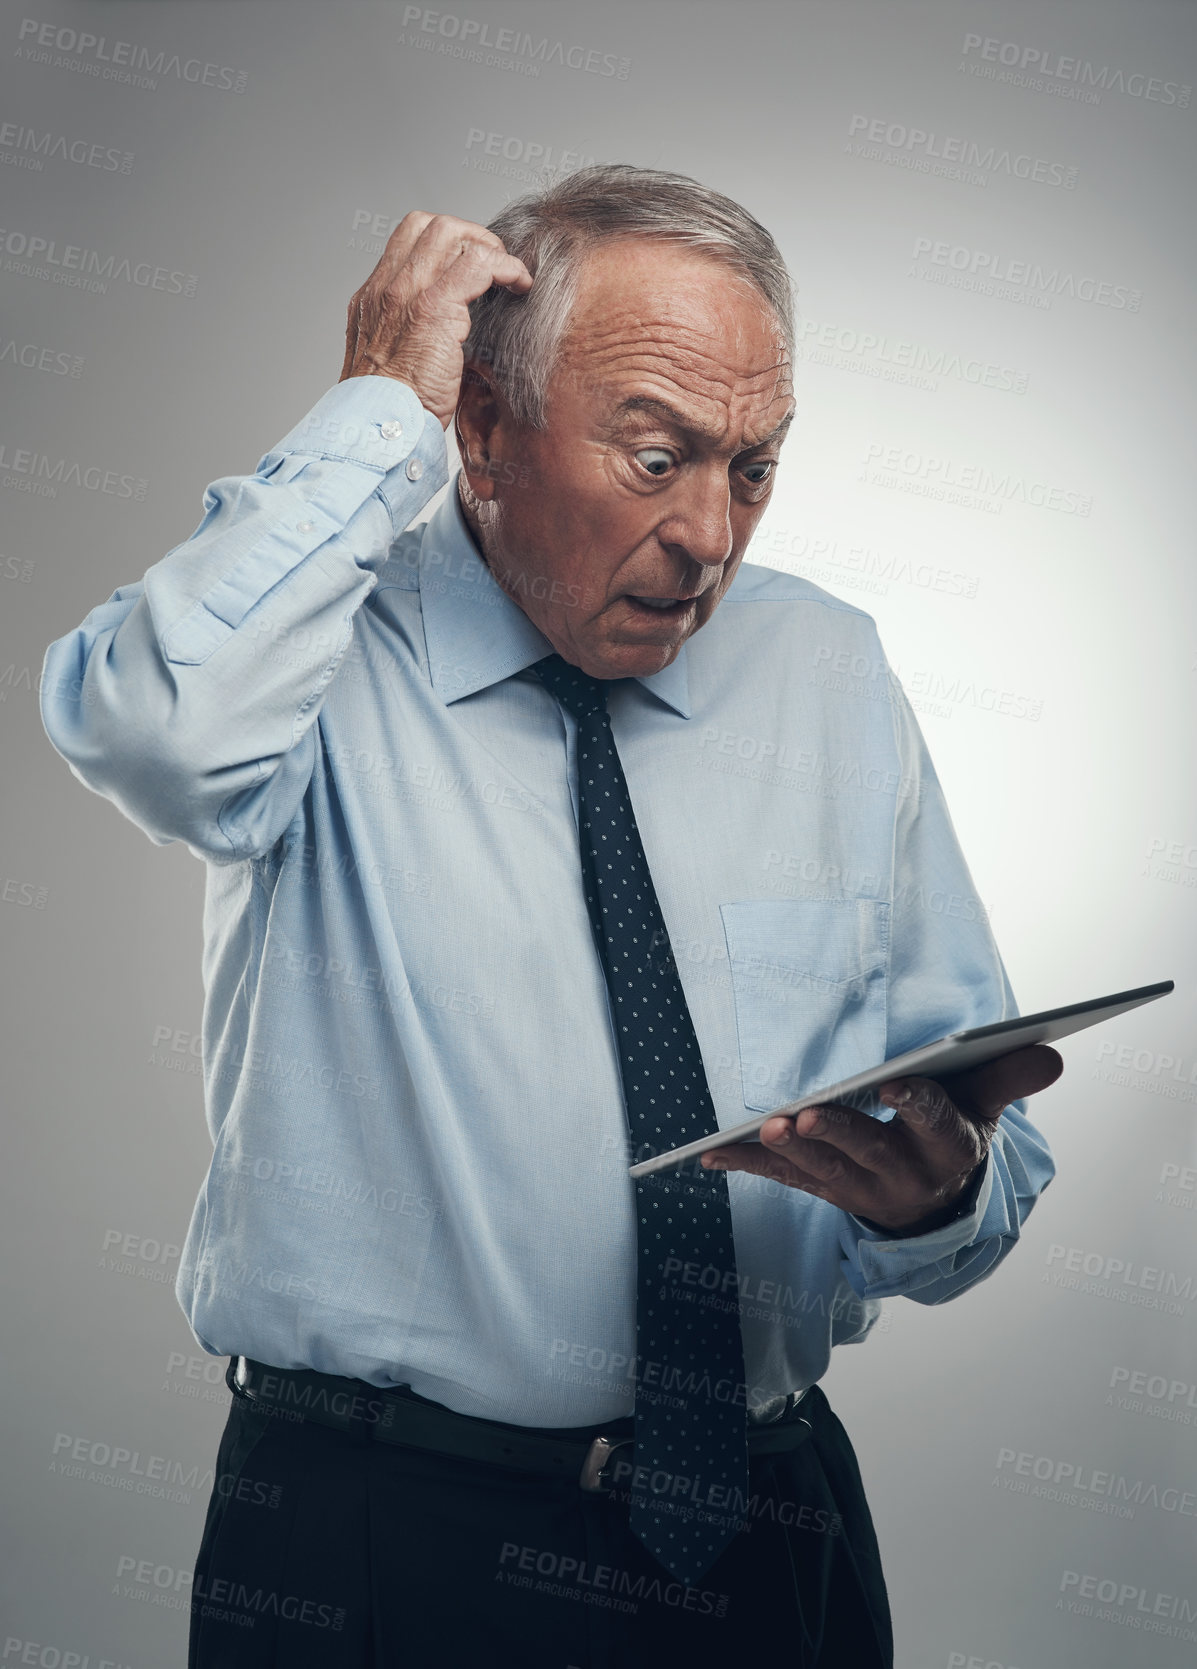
(420, 1165)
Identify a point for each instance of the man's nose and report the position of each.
(699, 524)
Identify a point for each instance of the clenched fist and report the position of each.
(411, 315)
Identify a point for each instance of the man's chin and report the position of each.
(633, 660)
(619, 658)
(630, 645)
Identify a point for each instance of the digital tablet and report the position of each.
(954, 1053)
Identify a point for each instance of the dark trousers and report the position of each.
(327, 1548)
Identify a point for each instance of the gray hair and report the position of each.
(518, 338)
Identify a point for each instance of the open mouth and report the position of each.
(664, 608)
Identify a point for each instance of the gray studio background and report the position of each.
(988, 209)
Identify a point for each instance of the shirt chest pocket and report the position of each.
(808, 982)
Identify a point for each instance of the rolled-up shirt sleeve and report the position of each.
(189, 698)
(945, 975)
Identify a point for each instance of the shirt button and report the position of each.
(414, 469)
(391, 430)
(305, 527)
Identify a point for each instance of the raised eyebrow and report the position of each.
(670, 414)
(778, 432)
(662, 409)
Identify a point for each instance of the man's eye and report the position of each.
(655, 460)
(764, 471)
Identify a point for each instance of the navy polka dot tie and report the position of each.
(689, 1485)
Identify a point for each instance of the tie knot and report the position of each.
(575, 689)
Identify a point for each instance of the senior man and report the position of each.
(537, 838)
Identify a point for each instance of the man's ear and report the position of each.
(476, 425)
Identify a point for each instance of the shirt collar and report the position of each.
(475, 634)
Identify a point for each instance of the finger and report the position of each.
(440, 243)
(401, 242)
(926, 1115)
(762, 1161)
(451, 226)
(473, 273)
(984, 1091)
(424, 243)
(992, 1087)
(834, 1129)
(418, 226)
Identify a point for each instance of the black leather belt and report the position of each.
(581, 1454)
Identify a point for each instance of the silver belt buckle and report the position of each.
(597, 1457)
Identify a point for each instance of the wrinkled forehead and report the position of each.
(656, 320)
